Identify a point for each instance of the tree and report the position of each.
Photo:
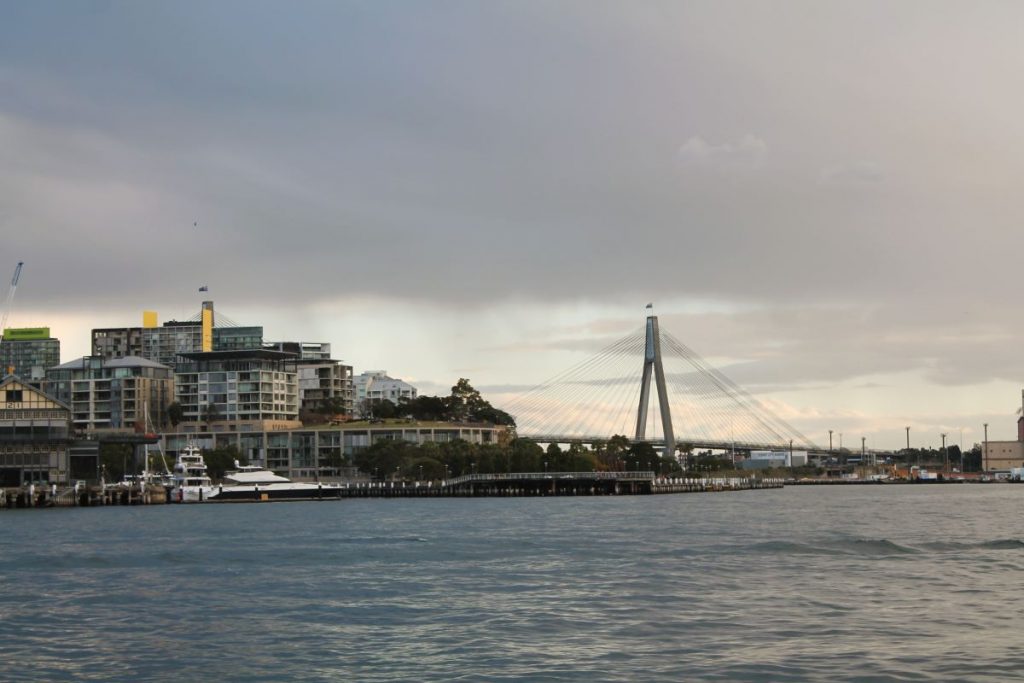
(433, 408)
(220, 460)
(175, 414)
(377, 408)
(464, 400)
(116, 460)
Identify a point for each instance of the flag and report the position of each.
(204, 288)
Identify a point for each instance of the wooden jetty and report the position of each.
(526, 484)
(43, 496)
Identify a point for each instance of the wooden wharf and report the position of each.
(529, 484)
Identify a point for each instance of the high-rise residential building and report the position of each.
(321, 381)
(117, 393)
(28, 352)
(253, 385)
(376, 385)
(163, 344)
(321, 378)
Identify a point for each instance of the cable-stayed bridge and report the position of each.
(610, 393)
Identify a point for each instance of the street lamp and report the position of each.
(945, 455)
(421, 472)
(985, 449)
(908, 450)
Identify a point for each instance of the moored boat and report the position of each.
(255, 483)
(192, 484)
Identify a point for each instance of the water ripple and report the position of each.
(795, 585)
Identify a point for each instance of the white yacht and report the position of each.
(191, 482)
(255, 483)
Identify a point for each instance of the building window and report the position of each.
(14, 396)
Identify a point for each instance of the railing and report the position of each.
(634, 475)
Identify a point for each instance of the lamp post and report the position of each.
(985, 449)
(908, 449)
(863, 452)
(830, 441)
(945, 455)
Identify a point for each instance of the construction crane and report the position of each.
(10, 297)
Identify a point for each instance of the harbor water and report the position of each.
(854, 583)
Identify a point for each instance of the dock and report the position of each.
(528, 484)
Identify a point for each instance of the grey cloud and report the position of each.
(747, 152)
(421, 153)
(864, 172)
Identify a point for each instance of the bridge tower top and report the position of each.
(653, 365)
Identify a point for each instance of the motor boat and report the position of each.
(255, 483)
(191, 483)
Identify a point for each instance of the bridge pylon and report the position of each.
(652, 362)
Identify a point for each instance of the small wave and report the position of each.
(382, 540)
(1003, 544)
(858, 546)
(790, 548)
(994, 544)
(878, 546)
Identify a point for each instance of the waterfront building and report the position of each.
(35, 431)
(112, 393)
(375, 385)
(1002, 456)
(253, 386)
(309, 453)
(760, 460)
(28, 352)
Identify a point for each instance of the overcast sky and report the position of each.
(823, 199)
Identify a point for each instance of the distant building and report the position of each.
(999, 456)
(376, 385)
(35, 431)
(28, 352)
(769, 459)
(255, 386)
(113, 393)
(163, 344)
